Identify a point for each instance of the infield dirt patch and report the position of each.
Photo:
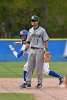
(50, 91)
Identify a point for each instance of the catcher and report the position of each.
(47, 57)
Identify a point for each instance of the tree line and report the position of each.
(15, 15)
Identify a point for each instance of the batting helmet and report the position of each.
(23, 32)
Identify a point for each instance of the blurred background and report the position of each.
(15, 15)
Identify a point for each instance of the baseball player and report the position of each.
(37, 39)
(46, 70)
(23, 36)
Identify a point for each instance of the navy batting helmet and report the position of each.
(23, 32)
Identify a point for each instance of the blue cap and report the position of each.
(23, 32)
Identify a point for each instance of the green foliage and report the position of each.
(57, 17)
(16, 15)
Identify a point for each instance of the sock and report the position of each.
(24, 76)
(54, 74)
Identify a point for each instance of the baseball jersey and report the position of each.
(23, 48)
(20, 53)
(37, 37)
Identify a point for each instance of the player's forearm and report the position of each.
(46, 45)
(27, 46)
(17, 55)
(20, 54)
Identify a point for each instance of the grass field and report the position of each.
(15, 69)
(16, 96)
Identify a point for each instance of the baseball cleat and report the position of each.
(39, 85)
(25, 85)
(11, 48)
(61, 80)
(28, 85)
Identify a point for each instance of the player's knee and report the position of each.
(46, 72)
(25, 67)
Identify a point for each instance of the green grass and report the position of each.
(16, 96)
(60, 67)
(15, 69)
(11, 69)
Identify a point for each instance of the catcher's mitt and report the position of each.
(47, 56)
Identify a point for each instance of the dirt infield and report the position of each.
(50, 90)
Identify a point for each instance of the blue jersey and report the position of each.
(20, 53)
